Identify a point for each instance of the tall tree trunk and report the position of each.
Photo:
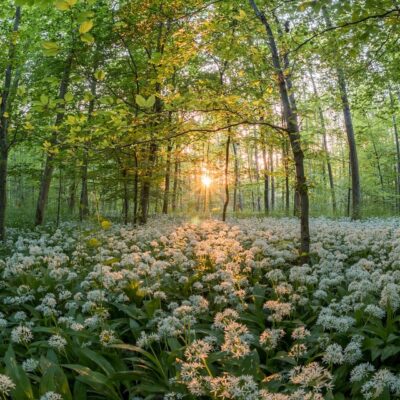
(294, 136)
(84, 198)
(126, 195)
(49, 165)
(146, 184)
(167, 180)
(325, 144)
(59, 197)
(271, 168)
(266, 179)
(71, 196)
(286, 165)
(135, 187)
(236, 182)
(4, 145)
(355, 173)
(226, 176)
(397, 143)
(257, 175)
(175, 186)
(379, 168)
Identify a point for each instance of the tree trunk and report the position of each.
(84, 198)
(257, 175)
(287, 187)
(325, 144)
(176, 183)
(59, 197)
(4, 146)
(71, 196)
(397, 143)
(355, 173)
(126, 195)
(135, 187)
(146, 184)
(49, 165)
(266, 180)
(236, 172)
(271, 168)
(226, 203)
(167, 180)
(294, 136)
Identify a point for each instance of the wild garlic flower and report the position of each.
(361, 372)
(198, 351)
(107, 337)
(279, 310)
(51, 396)
(269, 339)
(334, 354)
(57, 342)
(6, 385)
(300, 333)
(21, 334)
(30, 365)
(236, 340)
(312, 376)
(381, 380)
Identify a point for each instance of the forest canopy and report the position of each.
(122, 108)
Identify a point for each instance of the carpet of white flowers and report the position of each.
(208, 310)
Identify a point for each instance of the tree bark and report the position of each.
(294, 136)
(135, 187)
(236, 172)
(325, 144)
(397, 143)
(355, 173)
(84, 198)
(271, 168)
(49, 165)
(226, 176)
(4, 145)
(266, 180)
(167, 180)
(146, 184)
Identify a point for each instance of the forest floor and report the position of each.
(181, 310)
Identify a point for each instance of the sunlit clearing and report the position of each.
(206, 180)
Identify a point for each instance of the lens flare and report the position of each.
(206, 180)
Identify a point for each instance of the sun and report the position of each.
(206, 180)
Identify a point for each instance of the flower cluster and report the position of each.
(210, 309)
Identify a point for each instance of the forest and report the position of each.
(199, 199)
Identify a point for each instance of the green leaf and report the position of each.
(68, 97)
(99, 75)
(389, 351)
(62, 5)
(87, 38)
(54, 379)
(44, 99)
(23, 388)
(80, 392)
(140, 100)
(96, 380)
(85, 27)
(50, 48)
(150, 101)
(98, 359)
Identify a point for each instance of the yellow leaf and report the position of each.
(85, 27)
(62, 5)
(99, 75)
(87, 38)
(106, 224)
